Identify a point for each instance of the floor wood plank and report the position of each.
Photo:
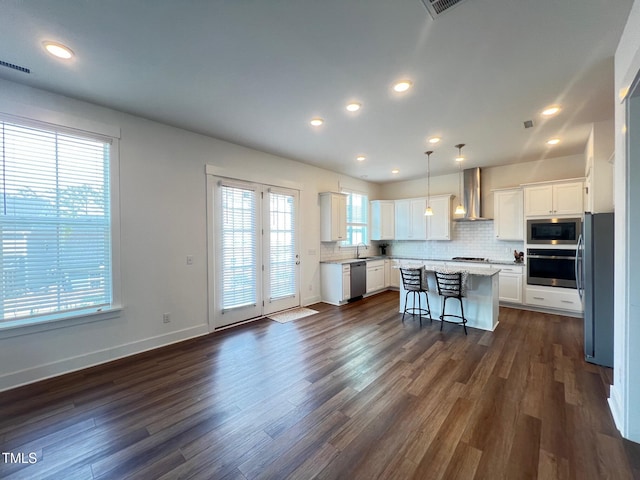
(351, 392)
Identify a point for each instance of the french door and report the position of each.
(255, 245)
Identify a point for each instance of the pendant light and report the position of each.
(460, 208)
(428, 212)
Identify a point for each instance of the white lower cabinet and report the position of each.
(510, 285)
(335, 283)
(394, 273)
(375, 275)
(553, 297)
(346, 282)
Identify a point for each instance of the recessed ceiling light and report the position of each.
(353, 106)
(552, 110)
(553, 141)
(395, 170)
(434, 139)
(58, 50)
(361, 158)
(316, 122)
(402, 86)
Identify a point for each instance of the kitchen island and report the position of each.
(480, 303)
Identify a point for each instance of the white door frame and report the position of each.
(215, 320)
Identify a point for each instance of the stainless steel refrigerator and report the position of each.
(594, 277)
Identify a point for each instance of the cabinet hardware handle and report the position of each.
(566, 301)
(538, 298)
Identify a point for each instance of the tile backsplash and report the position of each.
(468, 239)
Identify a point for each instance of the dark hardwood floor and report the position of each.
(348, 393)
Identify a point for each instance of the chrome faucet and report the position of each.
(358, 249)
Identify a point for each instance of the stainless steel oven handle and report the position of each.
(552, 257)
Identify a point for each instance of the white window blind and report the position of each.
(282, 246)
(239, 246)
(357, 218)
(55, 222)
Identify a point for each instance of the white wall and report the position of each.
(598, 167)
(163, 219)
(625, 392)
(504, 176)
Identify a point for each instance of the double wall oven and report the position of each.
(551, 252)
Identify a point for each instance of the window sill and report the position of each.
(15, 328)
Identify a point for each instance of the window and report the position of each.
(55, 223)
(357, 219)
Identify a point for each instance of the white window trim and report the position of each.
(348, 191)
(43, 119)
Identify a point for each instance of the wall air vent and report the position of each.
(438, 7)
(13, 66)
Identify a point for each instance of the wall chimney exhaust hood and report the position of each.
(471, 198)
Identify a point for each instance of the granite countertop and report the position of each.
(478, 271)
(421, 259)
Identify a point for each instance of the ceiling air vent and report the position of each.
(438, 7)
(13, 66)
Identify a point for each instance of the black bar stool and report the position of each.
(414, 281)
(452, 285)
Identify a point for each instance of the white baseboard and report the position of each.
(615, 405)
(72, 364)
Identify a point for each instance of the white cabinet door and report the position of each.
(410, 221)
(508, 223)
(346, 282)
(333, 217)
(418, 220)
(382, 220)
(439, 224)
(554, 199)
(375, 276)
(538, 200)
(403, 219)
(510, 287)
(568, 198)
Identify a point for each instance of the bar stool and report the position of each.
(452, 285)
(414, 282)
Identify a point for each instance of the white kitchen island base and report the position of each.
(481, 306)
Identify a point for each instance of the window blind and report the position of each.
(239, 246)
(282, 246)
(55, 222)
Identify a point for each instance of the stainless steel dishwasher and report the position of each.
(358, 279)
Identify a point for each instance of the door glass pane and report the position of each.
(239, 247)
(282, 246)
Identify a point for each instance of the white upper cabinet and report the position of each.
(439, 224)
(564, 198)
(508, 223)
(411, 224)
(333, 217)
(383, 226)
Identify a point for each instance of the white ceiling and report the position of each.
(254, 72)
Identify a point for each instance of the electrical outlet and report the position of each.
(189, 259)
(166, 317)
